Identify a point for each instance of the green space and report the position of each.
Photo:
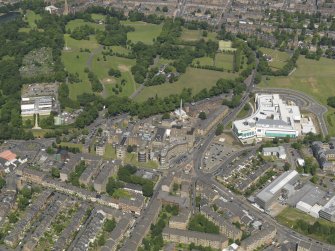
(315, 78)
(121, 193)
(80, 22)
(75, 59)
(101, 68)
(120, 49)
(75, 175)
(197, 79)
(98, 17)
(144, 32)
(224, 60)
(303, 223)
(221, 60)
(195, 35)
(244, 112)
(30, 17)
(279, 58)
(226, 46)
(109, 152)
(200, 223)
(71, 145)
(203, 61)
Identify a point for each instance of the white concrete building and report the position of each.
(273, 118)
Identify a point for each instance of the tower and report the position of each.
(66, 8)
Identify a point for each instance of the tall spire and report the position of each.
(66, 8)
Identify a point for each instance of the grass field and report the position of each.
(203, 61)
(197, 79)
(131, 158)
(279, 58)
(224, 60)
(77, 65)
(225, 46)
(315, 78)
(195, 35)
(144, 32)
(109, 152)
(100, 68)
(67, 144)
(120, 49)
(80, 22)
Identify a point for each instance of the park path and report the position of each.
(93, 53)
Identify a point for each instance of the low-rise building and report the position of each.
(180, 221)
(278, 151)
(328, 210)
(187, 237)
(281, 185)
(226, 228)
(262, 237)
(108, 169)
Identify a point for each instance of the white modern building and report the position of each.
(39, 99)
(33, 105)
(273, 118)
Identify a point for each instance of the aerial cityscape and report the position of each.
(173, 125)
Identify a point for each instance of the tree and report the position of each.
(219, 130)
(130, 149)
(55, 172)
(202, 116)
(287, 166)
(2, 182)
(165, 9)
(109, 225)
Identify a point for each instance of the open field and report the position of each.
(224, 60)
(197, 79)
(77, 65)
(67, 144)
(225, 46)
(315, 78)
(120, 49)
(109, 152)
(100, 68)
(279, 58)
(144, 32)
(203, 61)
(131, 158)
(195, 35)
(80, 22)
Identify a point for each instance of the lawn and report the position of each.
(144, 32)
(120, 49)
(203, 61)
(315, 78)
(197, 79)
(109, 152)
(68, 144)
(77, 65)
(225, 46)
(279, 58)
(195, 35)
(80, 22)
(101, 67)
(224, 60)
